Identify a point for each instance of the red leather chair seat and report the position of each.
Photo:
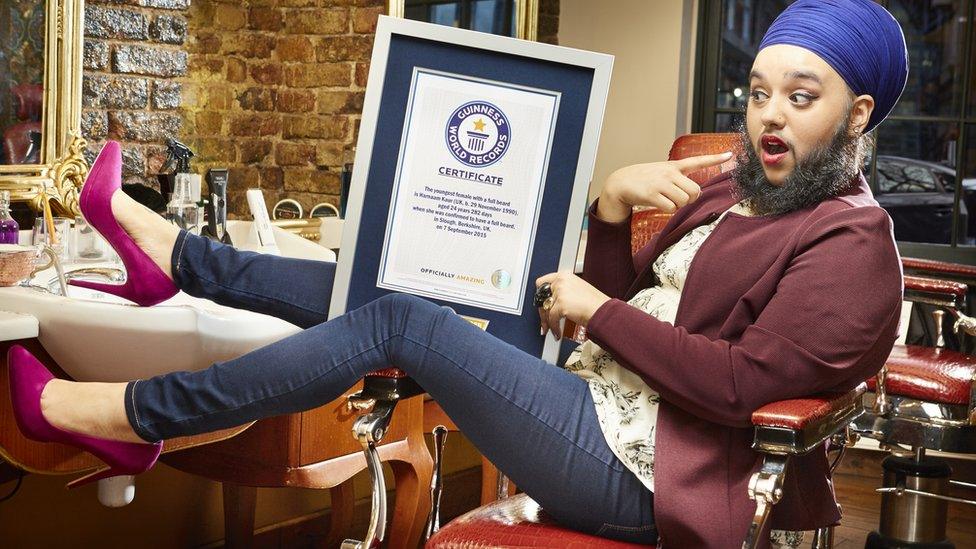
(392, 371)
(930, 374)
(515, 522)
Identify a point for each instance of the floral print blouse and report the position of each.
(625, 405)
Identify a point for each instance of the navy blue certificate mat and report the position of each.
(574, 83)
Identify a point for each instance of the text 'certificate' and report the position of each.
(468, 188)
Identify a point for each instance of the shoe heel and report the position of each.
(114, 289)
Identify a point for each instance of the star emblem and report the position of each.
(479, 125)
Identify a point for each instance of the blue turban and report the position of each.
(858, 38)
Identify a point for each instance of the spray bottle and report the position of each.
(183, 187)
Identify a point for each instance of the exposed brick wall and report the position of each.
(134, 61)
(275, 90)
(272, 89)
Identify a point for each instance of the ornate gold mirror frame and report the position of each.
(63, 167)
(526, 16)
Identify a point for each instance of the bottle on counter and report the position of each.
(182, 210)
(9, 229)
(177, 162)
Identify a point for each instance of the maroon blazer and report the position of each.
(773, 307)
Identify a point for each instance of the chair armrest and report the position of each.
(919, 288)
(799, 425)
(939, 267)
(574, 331)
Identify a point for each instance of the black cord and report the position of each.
(20, 479)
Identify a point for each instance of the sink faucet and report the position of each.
(52, 261)
(59, 286)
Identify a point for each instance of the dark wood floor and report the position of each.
(856, 479)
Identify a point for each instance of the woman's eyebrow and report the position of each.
(795, 75)
(803, 75)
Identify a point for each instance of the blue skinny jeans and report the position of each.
(535, 421)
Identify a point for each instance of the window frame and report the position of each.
(704, 112)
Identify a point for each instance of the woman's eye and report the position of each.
(757, 95)
(802, 98)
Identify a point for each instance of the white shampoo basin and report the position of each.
(99, 337)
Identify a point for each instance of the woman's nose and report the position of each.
(772, 115)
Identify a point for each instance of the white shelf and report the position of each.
(17, 326)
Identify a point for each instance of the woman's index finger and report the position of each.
(693, 163)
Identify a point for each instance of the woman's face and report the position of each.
(797, 104)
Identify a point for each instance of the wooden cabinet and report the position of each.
(312, 449)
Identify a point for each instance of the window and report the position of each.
(926, 145)
(898, 177)
(493, 16)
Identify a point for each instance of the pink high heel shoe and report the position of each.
(145, 284)
(27, 380)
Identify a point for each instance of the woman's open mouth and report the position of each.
(774, 149)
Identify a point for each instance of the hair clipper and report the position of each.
(217, 205)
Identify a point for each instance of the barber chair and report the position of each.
(17, 138)
(923, 399)
(30, 100)
(924, 319)
(783, 429)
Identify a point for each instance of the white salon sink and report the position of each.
(99, 337)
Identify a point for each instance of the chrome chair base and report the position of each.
(912, 513)
(377, 401)
(369, 430)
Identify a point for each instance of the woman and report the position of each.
(796, 289)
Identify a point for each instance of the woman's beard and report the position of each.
(824, 173)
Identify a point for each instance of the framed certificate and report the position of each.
(472, 167)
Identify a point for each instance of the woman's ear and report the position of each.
(861, 111)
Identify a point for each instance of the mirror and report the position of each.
(518, 18)
(22, 95)
(40, 102)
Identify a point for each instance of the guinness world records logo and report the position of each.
(478, 134)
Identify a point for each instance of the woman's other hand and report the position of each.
(572, 297)
(663, 185)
